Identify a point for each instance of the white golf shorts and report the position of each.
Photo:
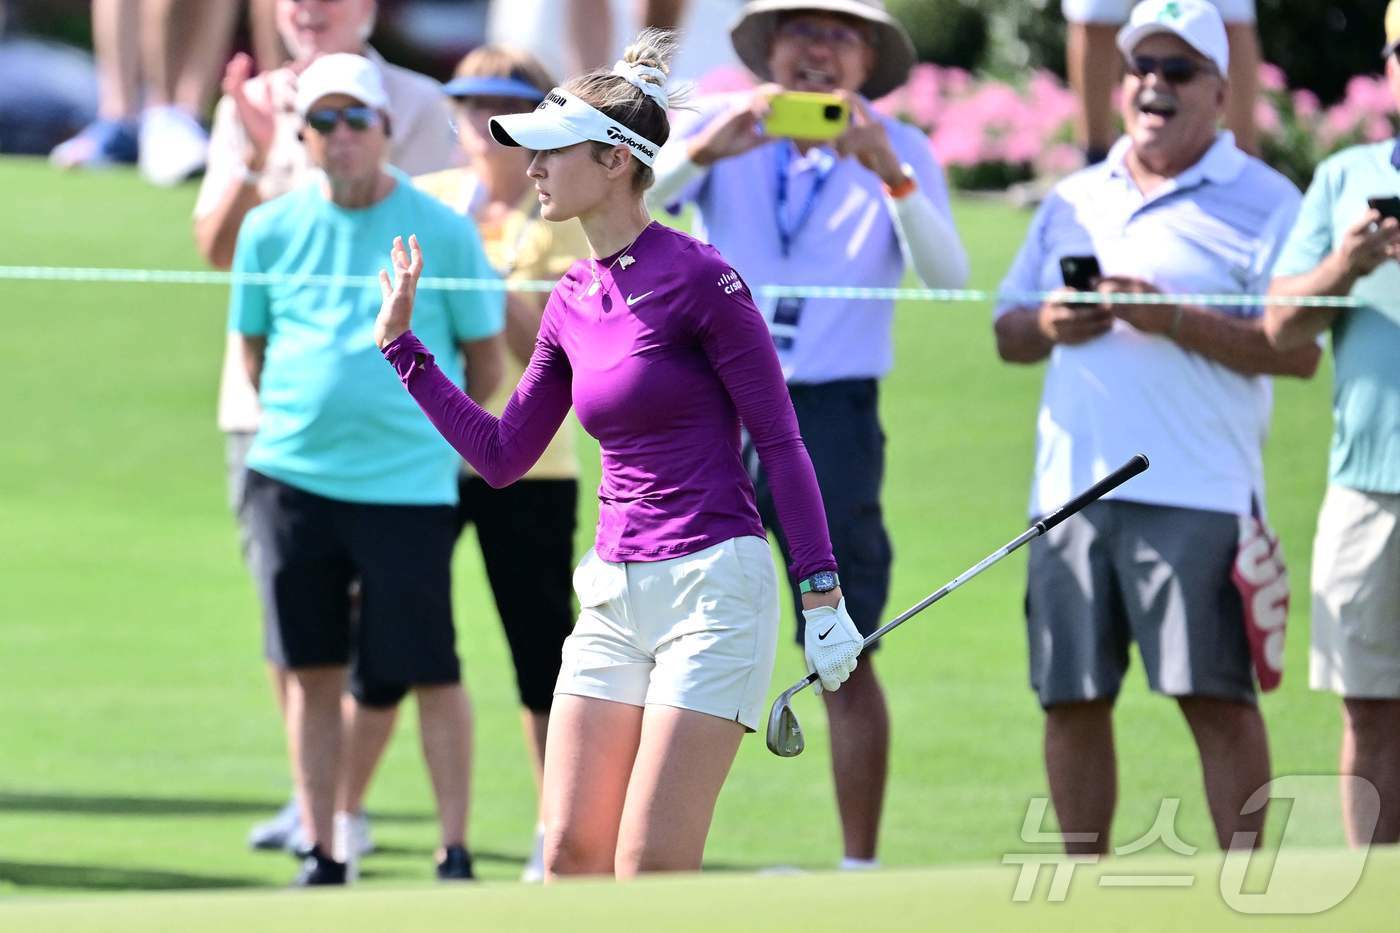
(1356, 595)
(697, 632)
(1117, 11)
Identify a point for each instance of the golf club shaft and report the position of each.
(1112, 481)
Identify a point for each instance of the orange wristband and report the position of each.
(905, 188)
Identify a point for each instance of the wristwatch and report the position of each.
(823, 581)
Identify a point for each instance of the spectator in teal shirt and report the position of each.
(1343, 246)
(346, 482)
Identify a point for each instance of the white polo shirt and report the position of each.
(1216, 228)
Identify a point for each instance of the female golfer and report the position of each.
(656, 342)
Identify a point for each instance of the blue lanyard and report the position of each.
(787, 234)
(1395, 156)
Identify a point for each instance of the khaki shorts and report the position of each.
(1356, 595)
(1116, 11)
(697, 632)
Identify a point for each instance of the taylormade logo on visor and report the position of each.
(562, 119)
(616, 134)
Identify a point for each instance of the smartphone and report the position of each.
(1388, 205)
(1080, 273)
(804, 115)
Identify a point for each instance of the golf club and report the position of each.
(785, 733)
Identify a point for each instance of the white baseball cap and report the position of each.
(341, 73)
(1195, 22)
(563, 120)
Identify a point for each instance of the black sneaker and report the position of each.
(456, 865)
(317, 869)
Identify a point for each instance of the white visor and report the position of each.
(563, 120)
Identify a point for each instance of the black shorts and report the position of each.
(526, 535)
(840, 424)
(306, 550)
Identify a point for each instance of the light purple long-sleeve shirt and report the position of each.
(662, 363)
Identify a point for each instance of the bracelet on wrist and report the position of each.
(905, 187)
(1175, 327)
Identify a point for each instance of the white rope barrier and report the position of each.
(935, 295)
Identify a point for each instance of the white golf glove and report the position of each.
(832, 645)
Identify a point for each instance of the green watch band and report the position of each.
(823, 581)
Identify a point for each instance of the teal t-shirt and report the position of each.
(335, 420)
(1365, 341)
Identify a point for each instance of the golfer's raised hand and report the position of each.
(1072, 324)
(396, 313)
(735, 131)
(832, 644)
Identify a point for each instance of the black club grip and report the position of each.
(1112, 481)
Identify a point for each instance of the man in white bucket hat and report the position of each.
(858, 210)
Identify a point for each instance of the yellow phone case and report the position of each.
(804, 115)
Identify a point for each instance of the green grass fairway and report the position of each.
(896, 900)
(139, 740)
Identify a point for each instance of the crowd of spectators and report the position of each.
(349, 505)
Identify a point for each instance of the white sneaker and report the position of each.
(534, 868)
(352, 836)
(280, 832)
(173, 146)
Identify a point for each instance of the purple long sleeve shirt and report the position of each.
(662, 363)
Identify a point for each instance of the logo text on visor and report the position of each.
(562, 119)
(615, 134)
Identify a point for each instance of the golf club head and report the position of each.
(784, 732)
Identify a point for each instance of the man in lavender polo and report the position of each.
(858, 210)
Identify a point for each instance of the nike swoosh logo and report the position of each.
(631, 300)
(822, 636)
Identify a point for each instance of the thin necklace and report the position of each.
(598, 275)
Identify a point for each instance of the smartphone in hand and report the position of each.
(803, 115)
(1388, 205)
(1080, 273)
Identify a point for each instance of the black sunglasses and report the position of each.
(358, 119)
(1174, 69)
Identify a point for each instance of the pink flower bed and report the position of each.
(973, 122)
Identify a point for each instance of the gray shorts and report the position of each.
(1120, 572)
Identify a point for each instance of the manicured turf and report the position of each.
(894, 900)
(139, 738)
